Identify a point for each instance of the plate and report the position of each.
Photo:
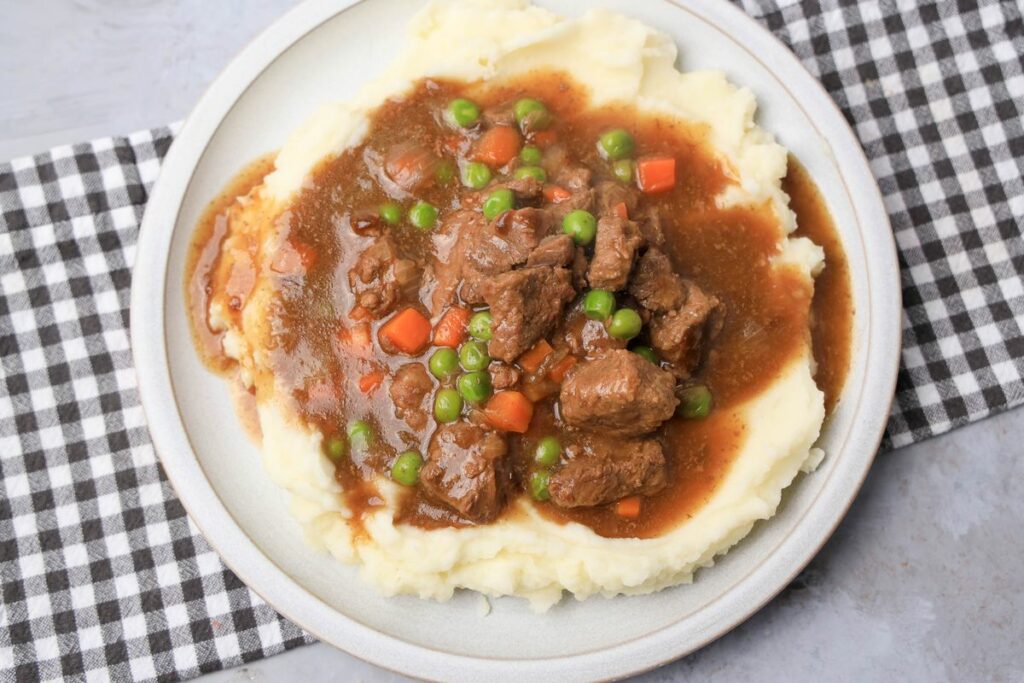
(324, 50)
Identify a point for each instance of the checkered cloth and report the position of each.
(102, 574)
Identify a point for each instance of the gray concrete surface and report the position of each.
(923, 581)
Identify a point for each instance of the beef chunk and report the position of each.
(503, 376)
(610, 194)
(467, 470)
(602, 470)
(525, 305)
(503, 245)
(410, 390)
(614, 250)
(556, 251)
(679, 336)
(525, 188)
(379, 278)
(618, 393)
(470, 250)
(655, 284)
(573, 178)
(650, 226)
(451, 239)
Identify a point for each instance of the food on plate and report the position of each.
(528, 314)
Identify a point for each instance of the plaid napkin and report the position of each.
(102, 574)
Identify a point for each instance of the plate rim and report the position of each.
(172, 446)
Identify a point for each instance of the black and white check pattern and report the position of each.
(103, 576)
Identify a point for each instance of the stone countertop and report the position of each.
(921, 582)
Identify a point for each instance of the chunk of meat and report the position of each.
(602, 470)
(556, 250)
(456, 232)
(618, 393)
(680, 336)
(379, 278)
(503, 376)
(525, 305)
(573, 178)
(650, 226)
(655, 284)
(409, 392)
(610, 194)
(467, 470)
(525, 188)
(614, 251)
(504, 244)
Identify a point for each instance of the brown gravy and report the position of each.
(726, 251)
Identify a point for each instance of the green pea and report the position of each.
(535, 172)
(336, 447)
(360, 435)
(646, 352)
(463, 113)
(444, 363)
(476, 175)
(390, 213)
(539, 485)
(447, 405)
(498, 202)
(480, 326)
(474, 356)
(616, 143)
(532, 114)
(406, 470)
(598, 304)
(581, 226)
(549, 450)
(423, 215)
(694, 402)
(531, 155)
(475, 387)
(623, 170)
(444, 172)
(625, 324)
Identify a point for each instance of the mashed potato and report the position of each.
(619, 60)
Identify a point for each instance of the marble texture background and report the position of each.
(923, 580)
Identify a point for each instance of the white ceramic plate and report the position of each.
(324, 50)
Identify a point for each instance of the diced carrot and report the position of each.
(510, 411)
(557, 373)
(497, 146)
(451, 329)
(621, 211)
(555, 194)
(371, 380)
(532, 359)
(407, 331)
(656, 174)
(545, 138)
(628, 507)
